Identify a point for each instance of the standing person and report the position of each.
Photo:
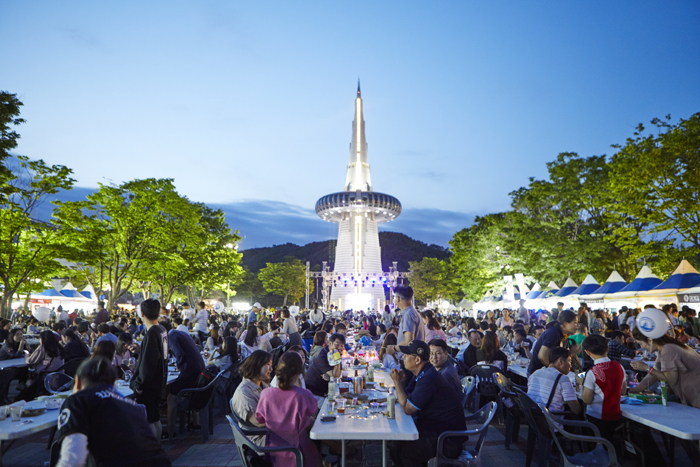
(523, 313)
(434, 403)
(150, 373)
(287, 412)
(101, 316)
(253, 315)
(387, 316)
(567, 324)
(202, 322)
(95, 419)
(289, 327)
(411, 327)
(187, 313)
(603, 386)
(191, 365)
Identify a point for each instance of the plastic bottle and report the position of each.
(331, 388)
(370, 373)
(664, 394)
(391, 405)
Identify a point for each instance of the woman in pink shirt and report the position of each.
(286, 411)
(432, 327)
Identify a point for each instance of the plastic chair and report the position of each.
(57, 382)
(71, 366)
(538, 432)
(486, 385)
(248, 451)
(468, 457)
(245, 427)
(602, 456)
(514, 413)
(199, 399)
(468, 383)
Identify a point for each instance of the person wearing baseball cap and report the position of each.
(253, 315)
(434, 403)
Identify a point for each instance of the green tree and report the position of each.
(9, 116)
(287, 279)
(432, 279)
(250, 285)
(120, 229)
(655, 177)
(29, 248)
(478, 257)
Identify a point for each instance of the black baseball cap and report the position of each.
(418, 348)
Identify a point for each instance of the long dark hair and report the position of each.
(490, 346)
(218, 339)
(97, 370)
(14, 345)
(74, 337)
(289, 366)
(661, 341)
(251, 336)
(231, 349)
(251, 366)
(123, 342)
(433, 323)
(50, 344)
(105, 349)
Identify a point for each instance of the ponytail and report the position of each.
(96, 370)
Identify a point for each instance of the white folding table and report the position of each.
(347, 428)
(518, 370)
(13, 363)
(681, 421)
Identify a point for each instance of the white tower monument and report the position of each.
(357, 274)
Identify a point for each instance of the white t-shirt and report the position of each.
(595, 408)
(202, 319)
(540, 384)
(183, 328)
(188, 313)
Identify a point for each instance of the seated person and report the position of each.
(255, 371)
(15, 345)
(469, 352)
(520, 344)
(321, 371)
(287, 412)
(439, 360)
(91, 424)
(104, 334)
(550, 385)
(617, 347)
(389, 361)
(603, 386)
(226, 355)
(434, 403)
(74, 347)
(300, 381)
(490, 352)
(215, 340)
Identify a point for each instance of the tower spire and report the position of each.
(359, 94)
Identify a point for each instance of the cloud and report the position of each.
(266, 223)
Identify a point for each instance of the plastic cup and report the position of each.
(3, 412)
(341, 405)
(16, 412)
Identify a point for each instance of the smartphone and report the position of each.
(328, 418)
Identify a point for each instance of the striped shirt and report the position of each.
(540, 384)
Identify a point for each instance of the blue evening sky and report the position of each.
(248, 105)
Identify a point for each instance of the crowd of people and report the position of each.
(283, 384)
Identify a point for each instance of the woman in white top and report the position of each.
(250, 343)
(300, 382)
(505, 320)
(389, 361)
(289, 327)
(215, 340)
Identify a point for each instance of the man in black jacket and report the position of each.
(151, 372)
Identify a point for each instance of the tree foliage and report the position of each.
(287, 279)
(432, 279)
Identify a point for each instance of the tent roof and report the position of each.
(645, 280)
(613, 284)
(684, 277)
(567, 289)
(51, 293)
(71, 293)
(535, 292)
(588, 285)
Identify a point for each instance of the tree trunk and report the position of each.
(285, 299)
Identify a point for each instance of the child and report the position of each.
(603, 386)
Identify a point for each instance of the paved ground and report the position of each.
(189, 450)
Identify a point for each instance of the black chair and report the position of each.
(71, 366)
(468, 457)
(486, 386)
(251, 454)
(538, 432)
(199, 399)
(514, 413)
(57, 382)
(6, 377)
